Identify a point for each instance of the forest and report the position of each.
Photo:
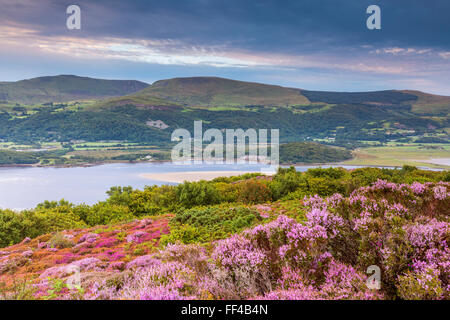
(350, 122)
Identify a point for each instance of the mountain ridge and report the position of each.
(221, 92)
(201, 91)
(64, 88)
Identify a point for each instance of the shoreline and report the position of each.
(434, 162)
(191, 176)
(80, 165)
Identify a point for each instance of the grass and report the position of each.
(16, 146)
(101, 153)
(413, 155)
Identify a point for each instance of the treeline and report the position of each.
(13, 157)
(311, 152)
(188, 200)
(57, 157)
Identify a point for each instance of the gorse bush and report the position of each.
(105, 213)
(211, 223)
(287, 181)
(190, 194)
(185, 234)
(254, 191)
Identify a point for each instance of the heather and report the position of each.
(300, 246)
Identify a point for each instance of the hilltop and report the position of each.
(213, 92)
(64, 88)
(220, 92)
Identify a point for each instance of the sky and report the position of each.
(309, 44)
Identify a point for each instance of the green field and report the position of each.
(414, 155)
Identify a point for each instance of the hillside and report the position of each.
(64, 88)
(219, 92)
(430, 103)
(349, 119)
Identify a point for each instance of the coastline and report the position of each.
(191, 176)
(77, 165)
(434, 163)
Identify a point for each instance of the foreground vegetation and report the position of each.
(295, 235)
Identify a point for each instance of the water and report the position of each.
(25, 187)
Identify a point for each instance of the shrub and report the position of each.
(254, 191)
(190, 194)
(153, 200)
(217, 222)
(185, 234)
(60, 241)
(228, 191)
(420, 285)
(287, 181)
(15, 226)
(325, 186)
(105, 213)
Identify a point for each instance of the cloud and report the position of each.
(396, 51)
(251, 38)
(175, 52)
(445, 55)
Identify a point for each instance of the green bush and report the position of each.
(228, 191)
(325, 186)
(153, 200)
(105, 213)
(120, 195)
(185, 234)
(287, 181)
(217, 222)
(15, 226)
(190, 194)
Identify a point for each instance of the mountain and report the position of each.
(349, 119)
(217, 92)
(64, 88)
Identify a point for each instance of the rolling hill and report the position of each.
(349, 119)
(216, 92)
(65, 88)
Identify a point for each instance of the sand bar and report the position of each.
(438, 161)
(179, 177)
